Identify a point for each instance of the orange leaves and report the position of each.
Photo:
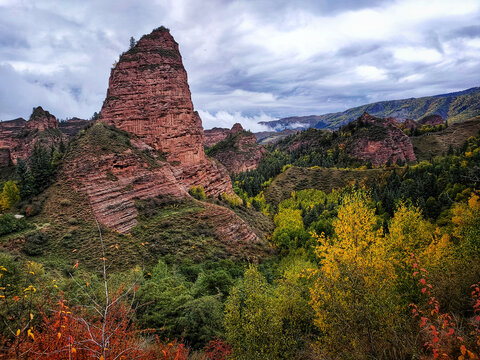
(76, 264)
(466, 354)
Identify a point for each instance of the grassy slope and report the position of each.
(437, 143)
(325, 179)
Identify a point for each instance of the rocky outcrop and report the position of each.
(114, 169)
(432, 120)
(148, 96)
(114, 175)
(73, 126)
(380, 141)
(239, 151)
(237, 127)
(5, 158)
(214, 136)
(20, 136)
(42, 120)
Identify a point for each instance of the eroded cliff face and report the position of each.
(20, 136)
(214, 136)
(381, 141)
(115, 168)
(148, 96)
(239, 151)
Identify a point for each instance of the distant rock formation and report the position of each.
(431, 120)
(20, 136)
(215, 135)
(380, 141)
(369, 139)
(239, 151)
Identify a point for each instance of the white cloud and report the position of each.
(224, 119)
(371, 73)
(417, 54)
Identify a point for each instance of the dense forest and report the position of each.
(384, 269)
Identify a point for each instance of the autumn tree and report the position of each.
(9, 196)
(353, 297)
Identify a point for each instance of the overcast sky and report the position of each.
(246, 60)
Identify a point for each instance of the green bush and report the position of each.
(9, 224)
(35, 243)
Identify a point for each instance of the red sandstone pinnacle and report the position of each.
(148, 95)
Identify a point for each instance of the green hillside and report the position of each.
(454, 107)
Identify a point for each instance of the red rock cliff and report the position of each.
(214, 136)
(380, 141)
(239, 151)
(148, 96)
(20, 136)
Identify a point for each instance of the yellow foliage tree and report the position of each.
(9, 196)
(353, 297)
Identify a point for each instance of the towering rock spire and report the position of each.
(149, 96)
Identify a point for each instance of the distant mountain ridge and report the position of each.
(453, 107)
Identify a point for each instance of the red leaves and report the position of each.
(424, 322)
(217, 350)
(72, 333)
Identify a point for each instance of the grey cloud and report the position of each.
(471, 31)
(60, 56)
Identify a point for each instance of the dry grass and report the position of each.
(434, 144)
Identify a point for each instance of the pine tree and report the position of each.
(132, 42)
(25, 180)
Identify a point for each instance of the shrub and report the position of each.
(198, 192)
(34, 243)
(232, 200)
(65, 202)
(10, 224)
